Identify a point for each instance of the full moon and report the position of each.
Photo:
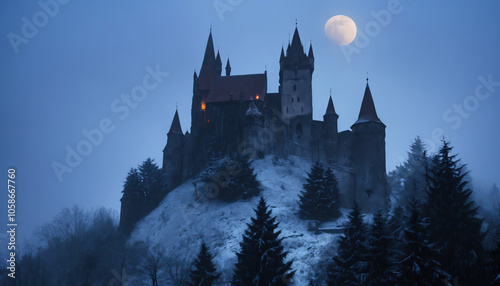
(341, 30)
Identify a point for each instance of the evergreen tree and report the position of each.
(261, 260)
(133, 202)
(234, 179)
(408, 180)
(350, 266)
(204, 273)
(379, 252)
(320, 199)
(313, 183)
(453, 222)
(418, 265)
(132, 186)
(243, 184)
(151, 182)
(495, 264)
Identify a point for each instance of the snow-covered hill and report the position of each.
(179, 224)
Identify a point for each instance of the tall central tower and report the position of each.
(296, 70)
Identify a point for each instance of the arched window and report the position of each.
(292, 99)
(298, 98)
(302, 108)
(298, 130)
(294, 87)
(287, 109)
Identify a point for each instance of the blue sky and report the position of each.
(425, 65)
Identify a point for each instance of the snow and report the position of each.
(180, 224)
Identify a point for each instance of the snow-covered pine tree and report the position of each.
(418, 264)
(233, 179)
(243, 184)
(350, 266)
(328, 197)
(320, 198)
(261, 260)
(380, 256)
(453, 222)
(307, 199)
(204, 272)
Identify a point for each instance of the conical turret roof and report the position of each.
(175, 128)
(367, 111)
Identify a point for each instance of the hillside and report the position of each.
(179, 224)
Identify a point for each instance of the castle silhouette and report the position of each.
(234, 114)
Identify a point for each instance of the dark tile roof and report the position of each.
(250, 86)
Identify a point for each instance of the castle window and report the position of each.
(298, 98)
(302, 109)
(203, 106)
(298, 130)
(287, 109)
(294, 87)
(292, 99)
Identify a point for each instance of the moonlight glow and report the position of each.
(341, 30)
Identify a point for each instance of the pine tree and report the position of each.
(320, 199)
(133, 202)
(204, 273)
(495, 264)
(418, 264)
(313, 183)
(233, 179)
(453, 222)
(408, 180)
(151, 182)
(379, 252)
(243, 184)
(261, 260)
(350, 266)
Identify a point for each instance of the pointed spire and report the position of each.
(282, 56)
(228, 68)
(296, 43)
(208, 69)
(209, 51)
(195, 76)
(218, 64)
(311, 54)
(176, 125)
(217, 59)
(330, 109)
(367, 111)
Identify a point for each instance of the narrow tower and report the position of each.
(295, 90)
(296, 70)
(173, 155)
(368, 156)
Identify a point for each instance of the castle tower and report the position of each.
(295, 79)
(331, 122)
(210, 68)
(253, 122)
(368, 157)
(173, 159)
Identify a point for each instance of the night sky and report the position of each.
(434, 71)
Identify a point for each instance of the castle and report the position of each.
(236, 115)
